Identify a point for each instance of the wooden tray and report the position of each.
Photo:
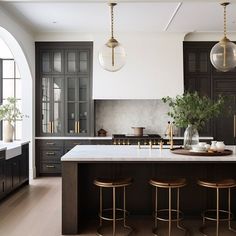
(183, 151)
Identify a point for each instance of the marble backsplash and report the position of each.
(118, 116)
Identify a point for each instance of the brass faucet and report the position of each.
(170, 134)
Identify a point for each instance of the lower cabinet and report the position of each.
(50, 151)
(2, 176)
(14, 172)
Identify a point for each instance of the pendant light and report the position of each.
(223, 54)
(112, 55)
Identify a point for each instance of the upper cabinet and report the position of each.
(63, 89)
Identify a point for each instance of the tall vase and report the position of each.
(8, 130)
(191, 137)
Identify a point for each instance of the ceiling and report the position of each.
(130, 16)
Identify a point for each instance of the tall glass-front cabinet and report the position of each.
(63, 89)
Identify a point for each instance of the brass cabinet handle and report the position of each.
(49, 127)
(52, 127)
(50, 143)
(234, 126)
(50, 153)
(76, 125)
(50, 166)
(76, 143)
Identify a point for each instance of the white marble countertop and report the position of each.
(12, 148)
(109, 153)
(105, 138)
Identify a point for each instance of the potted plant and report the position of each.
(192, 111)
(9, 113)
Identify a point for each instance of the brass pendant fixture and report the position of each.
(223, 54)
(112, 55)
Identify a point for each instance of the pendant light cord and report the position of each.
(112, 21)
(225, 20)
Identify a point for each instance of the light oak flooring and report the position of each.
(35, 210)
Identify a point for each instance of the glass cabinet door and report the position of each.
(77, 106)
(57, 102)
(83, 62)
(52, 62)
(46, 108)
(71, 62)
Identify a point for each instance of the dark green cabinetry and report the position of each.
(201, 76)
(14, 172)
(64, 104)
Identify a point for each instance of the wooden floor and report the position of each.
(35, 210)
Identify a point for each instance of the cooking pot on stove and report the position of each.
(138, 131)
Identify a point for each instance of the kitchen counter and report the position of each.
(125, 153)
(84, 163)
(12, 149)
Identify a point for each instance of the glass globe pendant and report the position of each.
(112, 56)
(223, 54)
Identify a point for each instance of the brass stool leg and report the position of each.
(217, 212)
(124, 212)
(155, 224)
(100, 223)
(169, 211)
(229, 210)
(114, 211)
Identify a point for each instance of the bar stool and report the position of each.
(207, 214)
(168, 184)
(114, 184)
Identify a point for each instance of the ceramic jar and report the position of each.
(220, 146)
(213, 146)
(8, 131)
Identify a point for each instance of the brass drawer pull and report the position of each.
(76, 143)
(50, 166)
(50, 143)
(50, 153)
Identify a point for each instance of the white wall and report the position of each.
(154, 65)
(21, 43)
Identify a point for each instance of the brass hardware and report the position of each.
(50, 166)
(234, 126)
(123, 142)
(49, 127)
(161, 145)
(150, 144)
(50, 143)
(139, 146)
(145, 142)
(50, 153)
(128, 143)
(114, 142)
(118, 141)
(52, 127)
(76, 128)
(170, 134)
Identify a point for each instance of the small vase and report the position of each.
(8, 131)
(191, 137)
(213, 146)
(220, 146)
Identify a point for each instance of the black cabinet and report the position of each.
(64, 105)
(2, 176)
(14, 172)
(201, 76)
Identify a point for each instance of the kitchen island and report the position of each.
(83, 164)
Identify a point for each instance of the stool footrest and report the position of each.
(109, 211)
(210, 214)
(165, 217)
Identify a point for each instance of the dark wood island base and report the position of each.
(80, 198)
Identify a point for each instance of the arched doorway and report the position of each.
(27, 92)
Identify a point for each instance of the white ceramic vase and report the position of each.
(220, 146)
(8, 131)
